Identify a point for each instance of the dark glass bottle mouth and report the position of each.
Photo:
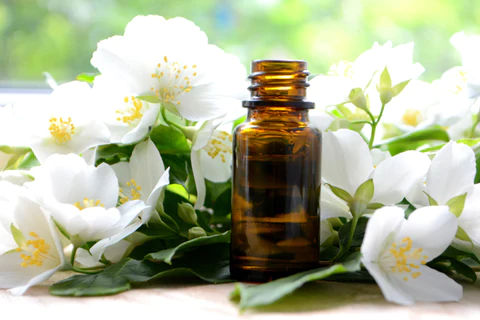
(282, 82)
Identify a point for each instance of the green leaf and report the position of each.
(87, 77)
(456, 204)
(27, 162)
(398, 88)
(265, 294)
(457, 254)
(413, 140)
(149, 98)
(179, 168)
(113, 153)
(160, 229)
(169, 140)
(209, 263)
(449, 265)
(167, 255)
(342, 194)
(464, 270)
(357, 97)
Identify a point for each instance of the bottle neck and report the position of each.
(281, 81)
(275, 113)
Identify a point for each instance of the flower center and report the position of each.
(36, 251)
(61, 130)
(174, 79)
(342, 69)
(220, 144)
(132, 113)
(88, 203)
(459, 81)
(135, 190)
(403, 258)
(412, 117)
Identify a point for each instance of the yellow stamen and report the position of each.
(406, 258)
(36, 251)
(134, 192)
(61, 130)
(412, 117)
(131, 113)
(88, 203)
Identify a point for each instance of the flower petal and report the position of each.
(380, 232)
(452, 172)
(320, 119)
(424, 224)
(332, 206)
(346, 160)
(199, 178)
(155, 195)
(391, 291)
(205, 102)
(216, 169)
(146, 123)
(430, 285)
(94, 183)
(146, 166)
(396, 176)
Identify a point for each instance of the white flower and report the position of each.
(82, 199)
(128, 118)
(211, 156)
(395, 252)
(451, 175)
(469, 48)
(35, 252)
(113, 253)
(347, 163)
(12, 126)
(344, 76)
(171, 62)
(422, 104)
(68, 124)
(143, 178)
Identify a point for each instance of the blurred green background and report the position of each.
(59, 36)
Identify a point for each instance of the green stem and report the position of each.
(477, 121)
(372, 135)
(173, 124)
(72, 257)
(346, 248)
(85, 270)
(374, 126)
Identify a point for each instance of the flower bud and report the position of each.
(196, 232)
(357, 97)
(386, 94)
(187, 213)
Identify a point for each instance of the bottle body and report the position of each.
(276, 193)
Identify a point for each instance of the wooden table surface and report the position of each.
(165, 301)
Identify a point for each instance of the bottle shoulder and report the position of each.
(273, 127)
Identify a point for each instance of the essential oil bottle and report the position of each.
(276, 177)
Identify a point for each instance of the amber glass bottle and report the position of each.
(276, 177)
